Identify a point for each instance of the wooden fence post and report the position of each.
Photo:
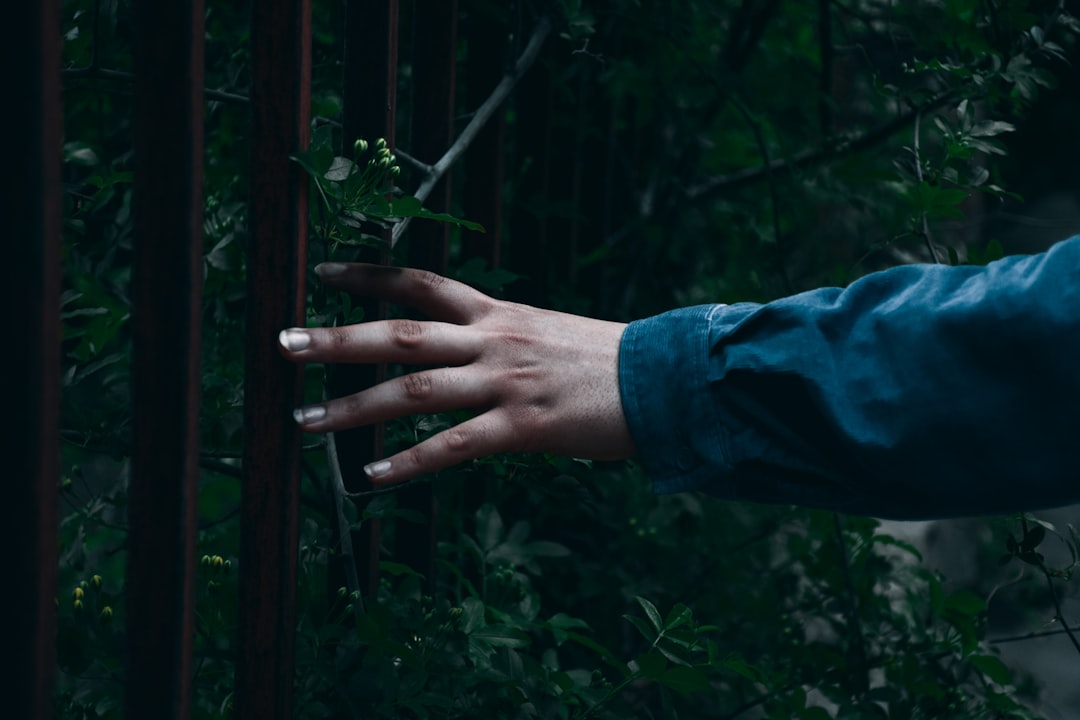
(276, 270)
(434, 74)
(168, 218)
(30, 206)
(371, 49)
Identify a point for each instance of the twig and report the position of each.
(390, 489)
(480, 118)
(344, 528)
(850, 601)
(774, 195)
(918, 174)
(418, 164)
(1032, 635)
(825, 79)
(808, 158)
(1057, 607)
(96, 73)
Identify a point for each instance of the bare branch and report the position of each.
(479, 119)
(96, 73)
(809, 158)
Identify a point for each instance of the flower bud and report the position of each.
(218, 561)
(395, 171)
(360, 146)
(95, 582)
(106, 614)
(205, 561)
(342, 592)
(77, 593)
(78, 605)
(454, 613)
(380, 144)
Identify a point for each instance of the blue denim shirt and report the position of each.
(921, 391)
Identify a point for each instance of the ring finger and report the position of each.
(426, 391)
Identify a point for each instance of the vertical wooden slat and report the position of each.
(167, 306)
(30, 206)
(484, 67)
(434, 75)
(370, 104)
(276, 267)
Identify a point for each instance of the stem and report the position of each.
(352, 582)
(918, 173)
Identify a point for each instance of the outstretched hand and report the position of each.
(539, 381)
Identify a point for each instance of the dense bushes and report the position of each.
(704, 151)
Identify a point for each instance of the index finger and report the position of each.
(438, 297)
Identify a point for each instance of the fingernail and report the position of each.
(329, 269)
(294, 340)
(302, 416)
(376, 469)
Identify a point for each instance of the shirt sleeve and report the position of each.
(921, 391)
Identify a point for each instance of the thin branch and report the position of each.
(480, 118)
(809, 158)
(1032, 635)
(918, 174)
(774, 193)
(352, 581)
(1059, 615)
(858, 641)
(96, 73)
(418, 164)
(389, 489)
(825, 81)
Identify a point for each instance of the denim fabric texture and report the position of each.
(917, 392)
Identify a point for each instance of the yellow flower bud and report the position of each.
(95, 582)
(219, 562)
(106, 614)
(78, 605)
(77, 593)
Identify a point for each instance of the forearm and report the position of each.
(920, 391)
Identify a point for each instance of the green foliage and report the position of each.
(574, 592)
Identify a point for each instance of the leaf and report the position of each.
(991, 128)
(651, 665)
(489, 527)
(546, 548)
(394, 568)
(652, 613)
(502, 637)
(340, 169)
(642, 627)
(993, 668)
(685, 680)
(965, 602)
(679, 615)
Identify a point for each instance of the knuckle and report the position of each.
(406, 333)
(417, 386)
(429, 282)
(458, 441)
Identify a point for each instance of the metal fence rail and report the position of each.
(167, 288)
(276, 267)
(30, 205)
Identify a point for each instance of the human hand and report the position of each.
(540, 381)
